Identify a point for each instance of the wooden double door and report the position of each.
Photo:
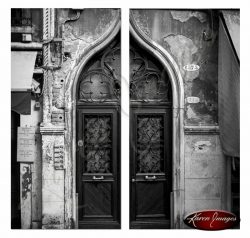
(98, 141)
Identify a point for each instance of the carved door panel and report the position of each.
(150, 142)
(98, 141)
(98, 177)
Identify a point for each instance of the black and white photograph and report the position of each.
(125, 125)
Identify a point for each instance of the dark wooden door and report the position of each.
(98, 141)
(150, 142)
(98, 168)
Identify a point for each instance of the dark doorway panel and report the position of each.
(98, 141)
(150, 141)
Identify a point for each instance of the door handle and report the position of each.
(98, 178)
(150, 177)
(80, 143)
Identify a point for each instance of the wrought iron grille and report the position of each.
(98, 143)
(150, 144)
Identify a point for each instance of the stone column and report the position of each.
(52, 177)
(52, 130)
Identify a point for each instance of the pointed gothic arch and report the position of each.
(71, 205)
(171, 67)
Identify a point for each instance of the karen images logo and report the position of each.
(211, 220)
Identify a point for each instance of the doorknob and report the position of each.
(98, 178)
(80, 143)
(133, 180)
(150, 177)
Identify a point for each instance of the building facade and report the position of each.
(66, 116)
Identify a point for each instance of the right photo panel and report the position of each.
(184, 118)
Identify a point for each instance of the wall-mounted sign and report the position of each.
(26, 144)
(193, 100)
(191, 67)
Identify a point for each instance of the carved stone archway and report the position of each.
(70, 121)
(178, 121)
(177, 198)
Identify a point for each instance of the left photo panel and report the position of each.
(65, 118)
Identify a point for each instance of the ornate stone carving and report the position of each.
(101, 82)
(148, 82)
(58, 93)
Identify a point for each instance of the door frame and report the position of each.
(70, 195)
(177, 198)
(171, 67)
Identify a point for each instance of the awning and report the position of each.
(229, 95)
(232, 21)
(21, 102)
(22, 68)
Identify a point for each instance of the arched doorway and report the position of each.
(150, 140)
(98, 139)
(177, 136)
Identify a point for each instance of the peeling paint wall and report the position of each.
(78, 30)
(181, 34)
(204, 173)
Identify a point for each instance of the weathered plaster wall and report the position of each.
(79, 29)
(53, 185)
(181, 34)
(77, 35)
(204, 173)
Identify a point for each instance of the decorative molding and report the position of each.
(201, 130)
(52, 130)
(47, 34)
(106, 77)
(148, 82)
(26, 46)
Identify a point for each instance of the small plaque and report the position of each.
(191, 67)
(26, 144)
(193, 100)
